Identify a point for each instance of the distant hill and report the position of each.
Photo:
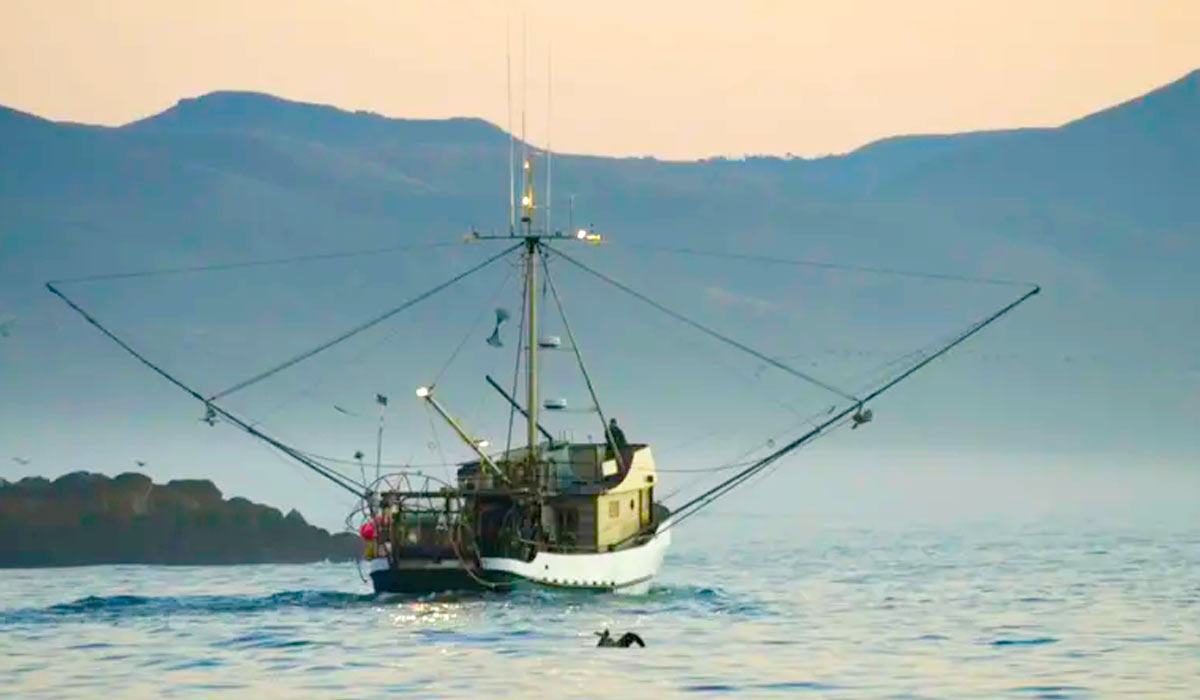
(84, 518)
(269, 115)
(1102, 211)
(226, 155)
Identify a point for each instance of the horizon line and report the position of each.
(745, 155)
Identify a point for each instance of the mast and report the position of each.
(531, 369)
(531, 382)
(512, 153)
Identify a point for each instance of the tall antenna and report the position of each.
(524, 84)
(512, 206)
(528, 205)
(549, 150)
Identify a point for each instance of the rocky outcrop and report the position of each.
(83, 518)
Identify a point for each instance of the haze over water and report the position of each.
(1018, 521)
(1042, 607)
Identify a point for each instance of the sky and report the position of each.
(672, 79)
(664, 79)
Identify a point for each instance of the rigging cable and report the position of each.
(474, 326)
(388, 465)
(704, 329)
(704, 499)
(276, 456)
(215, 409)
(876, 372)
(738, 460)
(325, 375)
(512, 411)
(823, 265)
(249, 263)
(587, 379)
(361, 327)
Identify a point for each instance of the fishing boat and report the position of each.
(552, 511)
(549, 510)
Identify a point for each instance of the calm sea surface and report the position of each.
(784, 608)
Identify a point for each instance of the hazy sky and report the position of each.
(673, 78)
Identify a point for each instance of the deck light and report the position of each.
(423, 392)
(581, 234)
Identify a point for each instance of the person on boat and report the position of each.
(618, 436)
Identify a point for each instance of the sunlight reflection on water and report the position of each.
(966, 612)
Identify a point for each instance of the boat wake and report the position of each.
(122, 606)
(109, 608)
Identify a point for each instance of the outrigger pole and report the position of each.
(212, 408)
(854, 410)
(426, 393)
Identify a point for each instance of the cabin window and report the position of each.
(614, 509)
(631, 504)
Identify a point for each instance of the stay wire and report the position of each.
(361, 327)
(274, 452)
(512, 409)
(761, 475)
(250, 263)
(824, 265)
(878, 373)
(706, 498)
(386, 465)
(912, 356)
(739, 460)
(474, 326)
(587, 379)
(215, 409)
(702, 328)
(308, 392)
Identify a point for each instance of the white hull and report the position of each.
(624, 571)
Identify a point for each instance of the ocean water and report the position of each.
(746, 606)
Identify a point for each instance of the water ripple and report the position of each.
(850, 612)
(1030, 642)
(137, 606)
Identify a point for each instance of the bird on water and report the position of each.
(625, 640)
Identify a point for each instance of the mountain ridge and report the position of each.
(234, 109)
(256, 111)
(1102, 211)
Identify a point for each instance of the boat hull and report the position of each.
(418, 578)
(627, 571)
